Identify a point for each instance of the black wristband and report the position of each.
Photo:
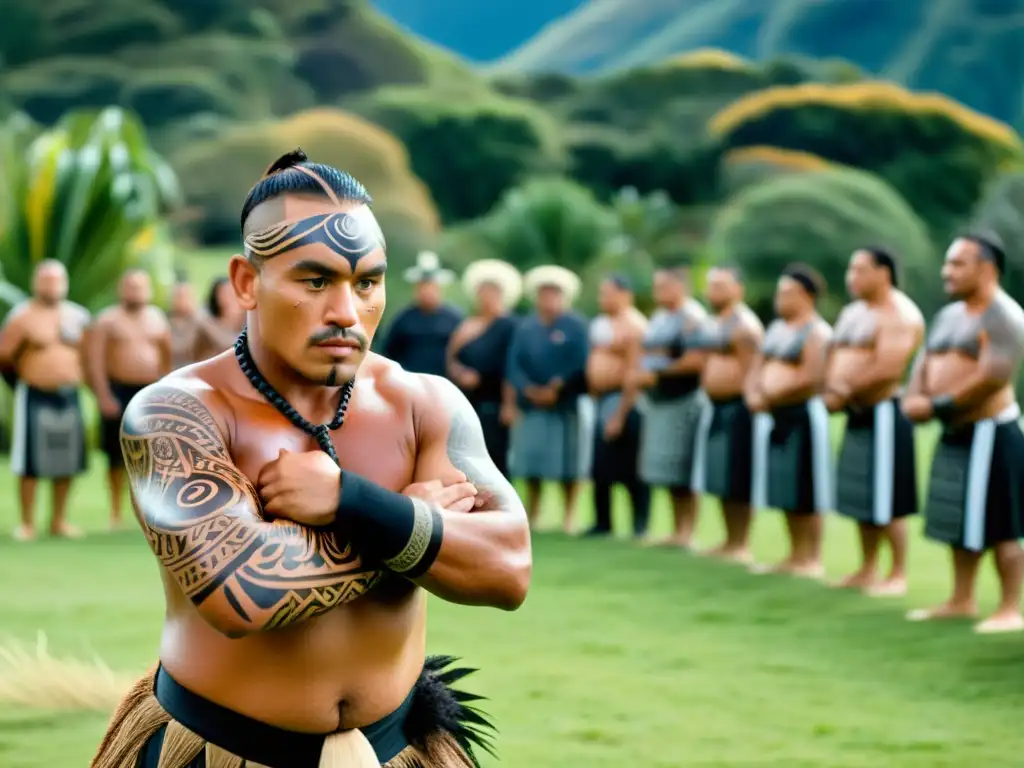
(402, 532)
(943, 407)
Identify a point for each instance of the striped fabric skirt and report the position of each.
(546, 445)
(976, 490)
(793, 466)
(723, 464)
(48, 438)
(876, 479)
(668, 439)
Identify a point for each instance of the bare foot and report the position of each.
(815, 571)
(763, 568)
(738, 555)
(944, 611)
(859, 580)
(23, 533)
(889, 588)
(1009, 621)
(66, 531)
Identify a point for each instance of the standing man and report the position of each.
(547, 371)
(875, 339)
(793, 462)
(222, 321)
(965, 379)
(667, 373)
(723, 463)
(128, 348)
(301, 496)
(184, 322)
(615, 338)
(418, 337)
(40, 341)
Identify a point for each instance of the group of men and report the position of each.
(51, 347)
(716, 404)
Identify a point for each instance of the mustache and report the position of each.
(329, 334)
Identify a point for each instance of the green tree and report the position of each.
(937, 153)
(467, 150)
(820, 218)
(90, 193)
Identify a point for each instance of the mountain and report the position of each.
(478, 30)
(972, 50)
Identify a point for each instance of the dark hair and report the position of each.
(883, 257)
(620, 281)
(991, 246)
(282, 177)
(808, 277)
(212, 304)
(678, 269)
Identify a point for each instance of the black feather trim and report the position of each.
(436, 706)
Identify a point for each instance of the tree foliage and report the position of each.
(89, 193)
(937, 153)
(467, 151)
(820, 218)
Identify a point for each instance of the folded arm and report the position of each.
(485, 556)
(201, 517)
(1002, 350)
(810, 373)
(12, 336)
(894, 345)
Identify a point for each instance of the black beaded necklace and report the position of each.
(319, 431)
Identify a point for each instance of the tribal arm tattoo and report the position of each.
(485, 556)
(201, 517)
(1001, 354)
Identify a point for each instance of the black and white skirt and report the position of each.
(723, 464)
(668, 438)
(48, 439)
(976, 485)
(793, 466)
(876, 480)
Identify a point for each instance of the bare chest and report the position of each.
(375, 442)
(858, 329)
(957, 332)
(146, 329)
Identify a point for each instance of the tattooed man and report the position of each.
(302, 495)
(965, 379)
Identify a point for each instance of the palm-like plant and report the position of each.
(90, 193)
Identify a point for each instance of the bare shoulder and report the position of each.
(821, 330)
(749, 323)
(634, 322)
(183, 400)
(107, 317)
(1005, 311)
(905, 310)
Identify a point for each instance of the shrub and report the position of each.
(821, 218)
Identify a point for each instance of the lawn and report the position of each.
(621, 656)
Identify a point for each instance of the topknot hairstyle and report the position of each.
(282, 177)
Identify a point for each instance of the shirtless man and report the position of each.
(40, 342)
(185, 322)
(302, 495)
(965, 379)
(667, 372)
(615, 338)
(128, 347)
(793, 464)
(221, 323)
(724, 457)
(875, 339)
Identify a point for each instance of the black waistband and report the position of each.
(674, 388)
(65, 392)
(728, 402)
(267, 744)
(791, 411)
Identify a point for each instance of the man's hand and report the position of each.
(641, 379)
(456, 497)
(302, 487)
(109, 407)
(467, 378)
(614, 426)
(917, 408)
(834, 401)
(756, 402)
(508, 415)
(542, 397)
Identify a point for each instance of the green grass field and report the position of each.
(621, 656)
